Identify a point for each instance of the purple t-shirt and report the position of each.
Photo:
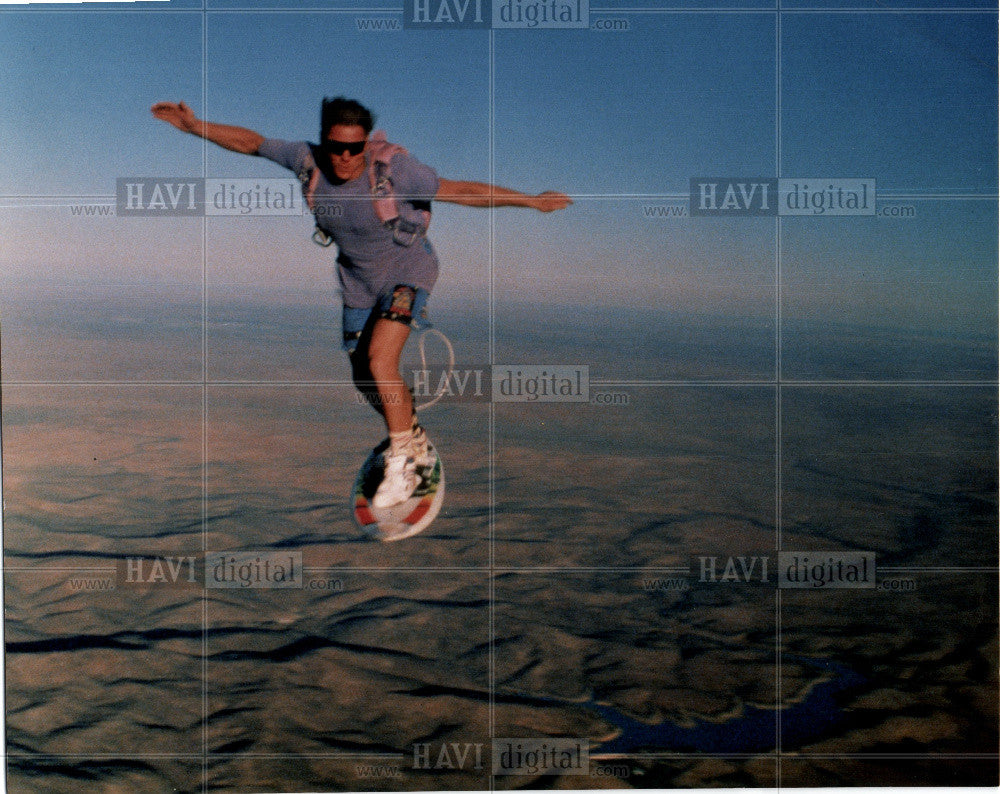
(370, 262)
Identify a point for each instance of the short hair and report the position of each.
(348, 112)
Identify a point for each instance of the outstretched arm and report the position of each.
(479, 194)
(236, 139)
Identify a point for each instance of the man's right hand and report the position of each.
(235, 139)
(176, 113)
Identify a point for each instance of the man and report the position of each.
(386, 271)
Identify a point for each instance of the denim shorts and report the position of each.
(404, 304)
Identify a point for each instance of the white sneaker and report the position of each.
(399, 482)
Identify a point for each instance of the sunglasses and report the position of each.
(335, 148)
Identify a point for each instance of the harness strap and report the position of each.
(319, 235)
(311, 187)
(380, 154)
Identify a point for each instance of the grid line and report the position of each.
(204, 405)
(666, 10)
(692, 383)
(778, 467)
(505, 569)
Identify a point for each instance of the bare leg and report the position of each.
(387, 340)
(364, 381)
(361, 372)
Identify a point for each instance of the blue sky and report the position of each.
(906, 99)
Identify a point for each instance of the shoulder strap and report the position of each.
(380, 154)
